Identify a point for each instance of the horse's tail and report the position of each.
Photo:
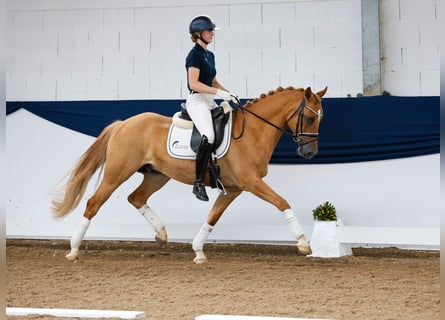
(68, 196)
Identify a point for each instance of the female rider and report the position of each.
(203, 86)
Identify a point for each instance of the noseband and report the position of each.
(299, 132)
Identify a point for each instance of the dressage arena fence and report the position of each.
(75, 313)
(104, 314)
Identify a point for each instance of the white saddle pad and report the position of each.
(178, 142)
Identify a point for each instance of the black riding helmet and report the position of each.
(201, 23)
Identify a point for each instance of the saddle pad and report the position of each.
(178, 142)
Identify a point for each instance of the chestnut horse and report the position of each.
(139, 144)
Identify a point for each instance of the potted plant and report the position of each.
(325, 212)
(325, 242)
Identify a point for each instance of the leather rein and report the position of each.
(295, 136)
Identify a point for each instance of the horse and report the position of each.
(138, 144)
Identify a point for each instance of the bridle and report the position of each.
(299, 132)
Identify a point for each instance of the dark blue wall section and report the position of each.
(353, 129)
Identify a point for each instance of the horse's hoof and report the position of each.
(303, 246)
(304, 250)
(200, 257)
(73, 256)
(161, 237)
(200, 261)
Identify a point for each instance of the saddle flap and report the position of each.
(220, 119)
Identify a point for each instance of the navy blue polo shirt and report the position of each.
(204, 60)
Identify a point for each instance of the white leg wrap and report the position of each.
(78, 235)
(151, 217)
(201, 237)
(294, 225)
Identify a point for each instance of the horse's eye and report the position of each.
(310, 120)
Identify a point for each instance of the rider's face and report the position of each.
(207, 35)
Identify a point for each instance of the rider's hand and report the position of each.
(228, 96)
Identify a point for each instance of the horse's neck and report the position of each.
(275, 109)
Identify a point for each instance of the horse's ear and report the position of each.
(308, 93)
(322, 92)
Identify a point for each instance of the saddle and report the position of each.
(220, 118)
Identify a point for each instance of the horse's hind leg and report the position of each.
(101, 195)
(152, 182)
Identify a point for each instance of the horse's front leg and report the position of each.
(265, 192)
(221, 203)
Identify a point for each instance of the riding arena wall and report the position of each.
(62, 51)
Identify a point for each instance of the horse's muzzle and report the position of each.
(308, 151)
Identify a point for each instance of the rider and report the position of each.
(202, 85)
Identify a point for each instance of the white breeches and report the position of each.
(198, 107)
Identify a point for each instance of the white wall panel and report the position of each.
(245, 61)
(87, 66)
(58, 21)
(161, 88)
(260, 82)
(278, 60)
(134, 87)
(134, 41)
(28, 21)
(430, 82)
(415, 10)
(56, 66)
(103, 42)
(301, 37)
(299, 79)
(77, 43)
(17, 44)
(244, 47)
(102, 89)
(117, 65)
(334, 81)
(244, 16)
(421, 58)
(16, 88)
(411, 29)
(88, 20)
(282, 14)
(393, 35)
(43, 43)
(26, 66)
(315, 59)
(351, 83)
(119, 19)
(429, 35)
(402, 81)
(36, 89)
(72, 89)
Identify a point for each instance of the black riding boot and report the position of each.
(202, 160)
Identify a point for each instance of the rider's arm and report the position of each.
(198, 86)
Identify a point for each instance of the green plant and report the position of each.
(325, 212)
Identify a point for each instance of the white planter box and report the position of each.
(325, 241)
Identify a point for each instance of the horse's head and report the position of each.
(306, 121)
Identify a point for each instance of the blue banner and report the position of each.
(353, 129)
